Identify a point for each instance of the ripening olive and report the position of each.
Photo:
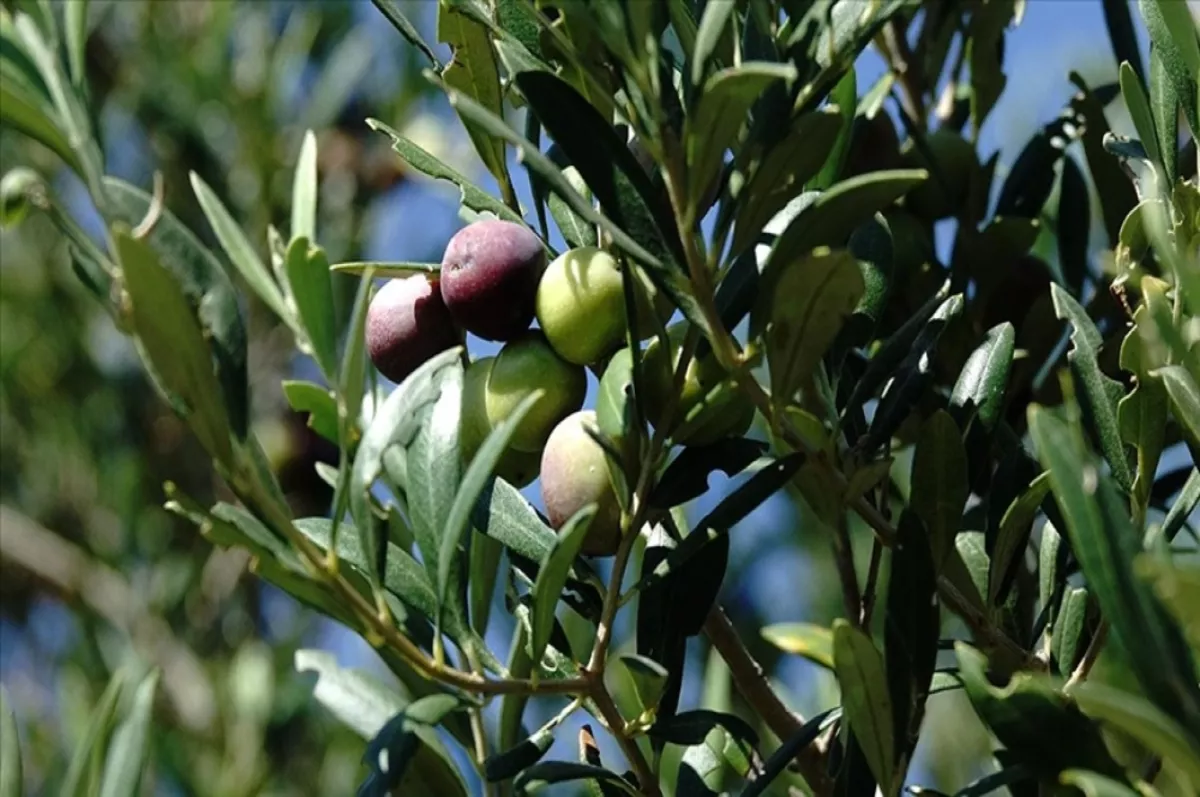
(575, 474)
(407, 323)
(490, 273)
(524, 365)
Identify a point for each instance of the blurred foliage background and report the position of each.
(94, 573)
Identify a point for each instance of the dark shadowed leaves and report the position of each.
(803, 313)
(549, 772)
(1033, 720)
(939, 482)
(1074, 221)
(911, 626)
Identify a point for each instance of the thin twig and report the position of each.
(647, 781)
(868, 597)
(754, 687)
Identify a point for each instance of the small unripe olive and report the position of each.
(575, 474)
(518, 468)
(524, 365)
(407, 324)
(697, 419)
(490, 273)
(581, 305)
(948, 188)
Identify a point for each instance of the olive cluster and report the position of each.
(494, 281)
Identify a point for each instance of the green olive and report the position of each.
(524, 365)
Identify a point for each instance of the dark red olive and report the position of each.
(407, 324)
(490, 274)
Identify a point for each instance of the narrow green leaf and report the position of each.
(83, 773)
(1164, 109)
(1185, 504)
(1105, 543)
(552, 578)
(782, 174)
(731, 510)
(340, 75)
(11, 777)
(1123, 37)
(692, 727)
(550, 772)
(1013, 535)
(836, 213)
(165, 323)
(803, 313)
(1185, 397)
(939, 482)
(908, 382)
(1068, 638)
(979, 391)
(649, 679)
(130, 746)
(206, 287)
(396, 423)
(238, 248)
(1101, 392)
(1173, 35)
(1139, 111)
(26, 114)
(1031, 718)
(356, 698)
(1177, 585)
(1115, 191)
(471, 195)
(312, 291)
(75, 19)
(304, 191)
(472, 70)
(407, 757)
(865, 699)
(721, 111)
(391, 11)
(1141, 720)
(813, 642)
(480, 470)
(511, 762)
(985, 48)
(387, 270)
(708, 35)
(1092, 784)
(318, 402)
(686, 477)
(403, 577)
(783, 757)
(845, 97)
(1074, 221)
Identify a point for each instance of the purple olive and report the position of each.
(490, 274)
(575, 474)
(408, 323)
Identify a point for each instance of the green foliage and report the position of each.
(899, 400)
